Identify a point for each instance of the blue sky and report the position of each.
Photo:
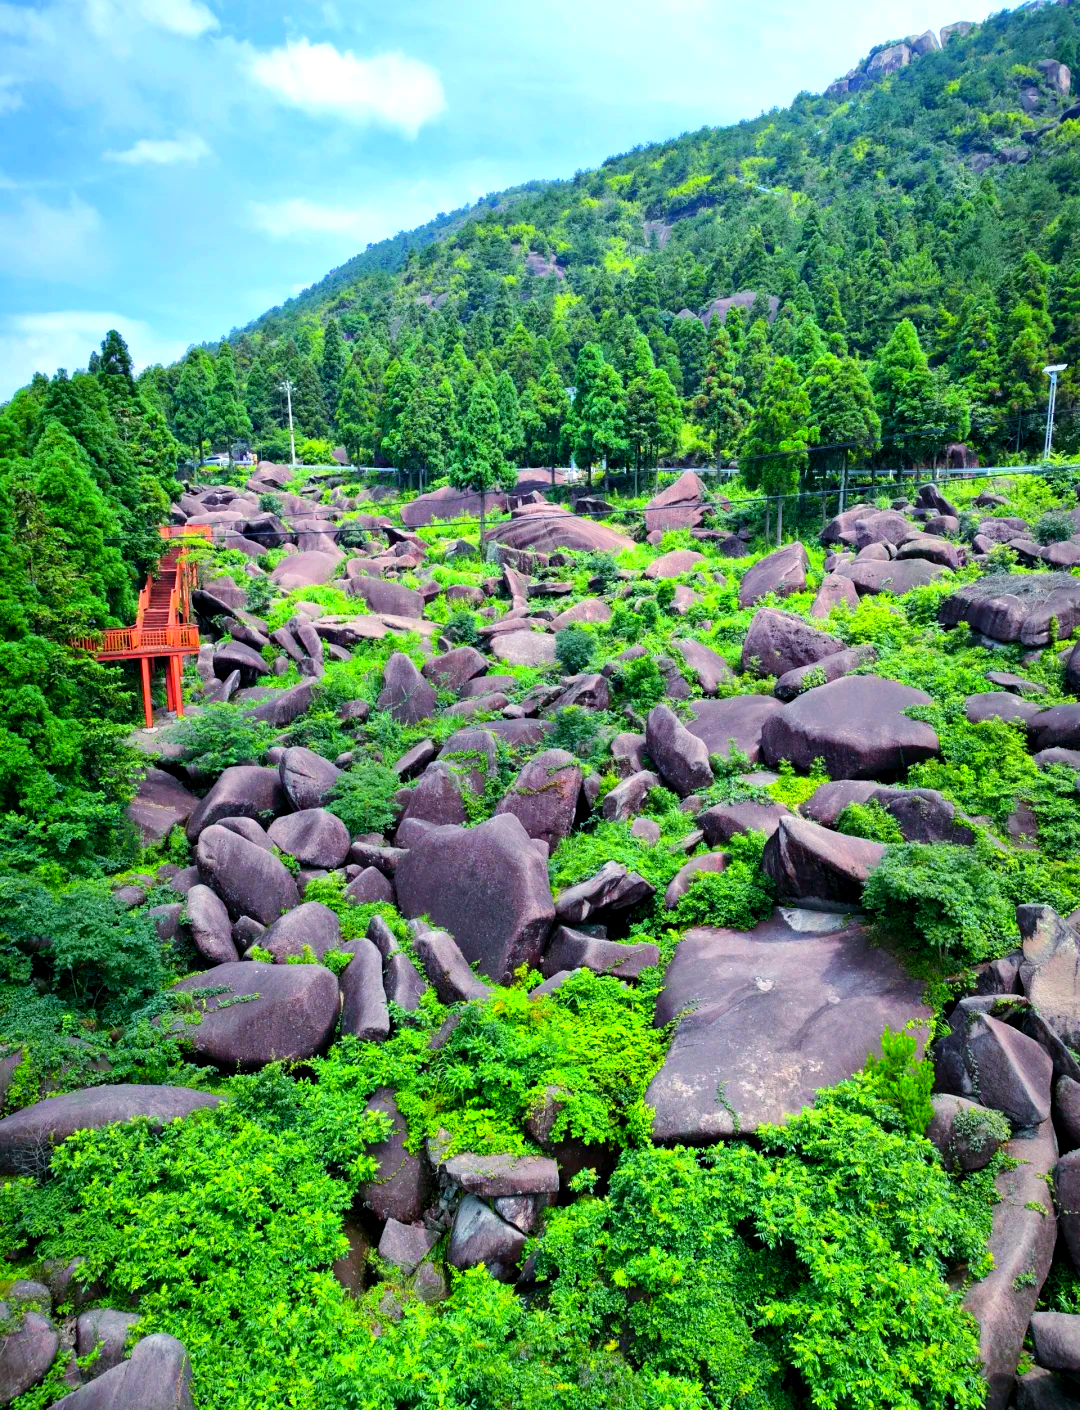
(173, 168)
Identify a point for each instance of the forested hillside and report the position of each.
(921, 230)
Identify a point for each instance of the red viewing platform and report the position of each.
(163, 625)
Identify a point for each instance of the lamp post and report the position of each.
(1052, 373)
(288, 388)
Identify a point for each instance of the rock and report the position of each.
(842, 663)
(415, 760)
(1058, 727)
(501, 1176)
(108, 1326)
(856, 725)
(305, 570)
(28, 1344)
(882, 526)
(628, 797)
(612, 887)
(589, 609)
(235, 656)
(431, 1284)
(371, 885)
(405, 1184)
(383, 596)
(405, 1246)
(491, 685)
(310, 923)
(966, 1134)
(830, 800)
(1057, 1340)
(1069, 757)
(1067, 1112)
(808, 862)
(675, 686)
(249, 828)
(675, 564)
(1004, 1068)
(841, 530)
(364, 1014)
(681, 758)
(835, 591)
(782, 572)
(488, 886)
(587, 692)
(924, 815)
(161, 803)
(1022, 1244)
(769, 1016)
(681, 881)
(1050, 972)
(553, 529)
(1038, 1389)
(896, 578)
(480, 1236)
(447, 968)
(934, 550)
(351, 1268)
(734, 723)
(435, 799)
(570, 949)
(281, 707)
(778, 642)
(1001, 705)
(721, 822)
(544, 797)
(709, 666)
(314, 837)
(307, 778)
(251, 881)
(646, 829)
(1014, 607)
(680, 506)
(524, 648)
(244, 791)
(454, 669)
(210, 926)
(24, 1134)
(157, 1377)
(405, 693)
(291, 1015)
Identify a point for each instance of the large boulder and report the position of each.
(1016, 607)
(841, 529)
(235, 656)
(28, 1344)
(681, 758)
(544, 797)
(835, 591)
(311, 923)
(436, 799)
(404, 1185)
(524, 648)
(454, 669)
(243, 791)
(313, 836)
(811, 863)
(1050, 972)
(383, 596)
(250, 880)
(1056, 728)
(24, 1135)
(480, 1236)
(924, 815)
(448, 503)
(589, 609)
(675, 563)
(487, 885)
(364, 1014)
(735, 723)
(307, 778)
(895, 577)
(680, 506)
(782, 573)
(711, 669)
(268, 1013)
(768, 1016)
(281, 707)
(856, 725)
(721, 822)
(161, 803)
(779, 642)
(156, 1377)
(841, 663)
(305, 570)
(552, 531)
(1022, 1244)
(829, 801)
(210, 926)
(572, 949)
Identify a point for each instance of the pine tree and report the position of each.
(774, 452)
(668, 420)
(546, 409)
(808, 346)
(513, 432)
(478, 463)
(755, 360)
(259, 397)
(518, 357)
(355, 415)
(335, 357)
(842, 409)
(227, 415)
(720, 406)
(904, 392)
(191, 412)
(309, 405)
(419, 441)
(693, 345)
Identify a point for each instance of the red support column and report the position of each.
(177, 663)
(148, 708)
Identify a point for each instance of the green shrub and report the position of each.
(260, 595)
(791, 788)
(574, 649)
(575, 729)
(869, 820)
(272, 504)
(1055, 526)
(221, 737)
(643, 683)
(363, 797)
(903, 1080)
(461, 627)
(738, 897)
(604, 567)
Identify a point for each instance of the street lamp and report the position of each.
(288, 388)
(1052, 373)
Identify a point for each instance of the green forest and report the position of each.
(574, 952)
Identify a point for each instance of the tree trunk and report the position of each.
(766, 518)
(481, 526)
(779, 518)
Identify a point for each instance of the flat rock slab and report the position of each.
(54, 1119)
(776, 1014)
(735, 723)
(161, 803)
(290, 1015)
(782, 573)
(1011, 607)
(895, 578)
(524, 648)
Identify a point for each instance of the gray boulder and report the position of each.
(371, 885)
(311, 923)
(161, 803)
(502, 1176)
(545, 796)
(1057, 1340)
(779, 642)
(1038, 1389)
(488, 886)
(249, 828)
(393, 599)
(405, 1246)
(681, 882)
(454, 669)
(709, 666)
(782, 573)
(435, 799)
(681, 758)
(721, 822)
(829, 801)
(244, 791)
(24, 1134)
(251, 881)
(109, 1327)
(405, 1183)
(793, 683)
(157, 1377)
(364, 1013)
(571, 949)
(290, 1015)
(967, 1135)
(924, 815)
(1014, 607)
(1056, 728)
(28, 1344)
(307, 778)
(406, 694)
(835, 591)
(894, 578)
(856, 725)
(235, 656)
(768, 1016)
(210, 926)
(628, 797)
(1050, 972)
(480, 1236)
(446, 967)
(999, 705)
(611, 888)
(314, 837)
(736, 723)
(811, 863)
(1067, 1112)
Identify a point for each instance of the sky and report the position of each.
(173, 168)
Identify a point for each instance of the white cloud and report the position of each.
(42, 342)
(110, 19)
(10, 97)
(150, 152)
(389, 90)
(55, 243)
(303, 219)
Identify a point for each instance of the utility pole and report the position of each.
(1052, 373)
(288, 388)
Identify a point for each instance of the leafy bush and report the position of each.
(604, 567)
(575, 730)
(791, 788)
(903, 1080)
(363, 797)
(221, 737)
(574, 649)
(869, 820)
(260, 595)
(643, 683)
(272, 504)
(738, 897)
(1055, 526)
(322, 731)
(461, 627)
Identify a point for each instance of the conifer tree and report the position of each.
(904, 392)
(720, 406)
(226, 413)
(355, 414)
(755, 360)
(191, 410)
(335, 357)
(546, 410)
(259, 396)
(513, 432)
(774, 451)
(478, 463)
(842, 410)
